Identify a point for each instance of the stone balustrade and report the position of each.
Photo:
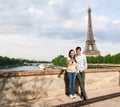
(26, 85)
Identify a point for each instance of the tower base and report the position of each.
(91, 53)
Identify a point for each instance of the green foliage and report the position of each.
(110, 59)
(6, 61)
(9, 61)
(59, 61)
(107, 59)
(34, 61)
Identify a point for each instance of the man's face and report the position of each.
(78, 51)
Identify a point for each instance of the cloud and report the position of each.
(38, 25)
(108, 48)
(36, 12)
(116, 21)
(76, 24)
(100, 23)
(24, 46)
(53, 2)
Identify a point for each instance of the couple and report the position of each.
(76, 67)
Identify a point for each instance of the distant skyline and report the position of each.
(44, 29)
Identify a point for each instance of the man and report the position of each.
(81, 68)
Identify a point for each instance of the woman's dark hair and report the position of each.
(70, 56)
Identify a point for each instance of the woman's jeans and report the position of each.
(71, 82)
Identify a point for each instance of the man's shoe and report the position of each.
(81, 97)
(84, 96)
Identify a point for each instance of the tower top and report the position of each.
(89, 9)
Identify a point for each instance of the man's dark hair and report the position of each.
(78, 48)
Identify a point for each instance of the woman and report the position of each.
(71, 73)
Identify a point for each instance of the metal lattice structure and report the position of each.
(90, 47)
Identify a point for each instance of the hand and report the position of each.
(85, 70)
(77, 72)
(64, 71)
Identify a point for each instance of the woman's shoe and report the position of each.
(71, 96)
(74, 96)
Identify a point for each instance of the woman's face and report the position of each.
(72, 53)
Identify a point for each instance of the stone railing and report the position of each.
(24, 85)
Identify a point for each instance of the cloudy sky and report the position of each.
(43, 29)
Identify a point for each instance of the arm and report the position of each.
(85, 63)
(67, 62)
(77, 71)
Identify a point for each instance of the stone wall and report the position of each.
(24, 85)
(100, 80)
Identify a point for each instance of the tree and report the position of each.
(116, 58)
(91, 59)
(99, 59)
(59, 61)
(107, 59)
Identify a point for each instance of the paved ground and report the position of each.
(48, 102)
(115, 102)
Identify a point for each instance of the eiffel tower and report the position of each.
(90, 47)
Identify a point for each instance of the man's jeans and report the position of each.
(71, 82)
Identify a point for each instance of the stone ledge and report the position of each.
(103, 70)
(29, 73)
(49, 72)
